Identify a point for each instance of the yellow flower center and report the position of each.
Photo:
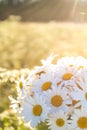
(37, 110)
(56, 101)
(86, 95)
(82, 122)
(20, 84)
(46, 86)
(60, 122)
(67, 76)
(80, 67)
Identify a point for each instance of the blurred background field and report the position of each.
(24, 44)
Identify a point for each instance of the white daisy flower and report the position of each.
(16, 104)
(22, 86)
(57, 99)
(66, 61)
(82, 79)
(78, 120)
(80, 96)
(81, 62)
(58, 121)
(44, 83)
(34, 110)
(66, 75)
(47, 65)
(80, 92)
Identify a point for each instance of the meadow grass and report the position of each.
(23, 45)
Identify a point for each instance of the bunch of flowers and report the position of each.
(55, 94)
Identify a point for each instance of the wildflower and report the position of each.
(58, 121)
(78, 120)
(34, 110)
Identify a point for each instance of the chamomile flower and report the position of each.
(82, 79)
(58, 121)
(80, 96)
(81, 62)
(16, 104)
(34, 110)
(22, 86)
(78, 120)
(57, 99)
(46, 65)
(66, 61)
(44, 83)
(66, 75)
(80, 92)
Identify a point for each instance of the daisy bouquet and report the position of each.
(55, 94)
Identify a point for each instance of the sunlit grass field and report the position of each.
(22, 46)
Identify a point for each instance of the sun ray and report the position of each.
(74, 7)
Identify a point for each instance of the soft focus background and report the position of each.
(31, 30)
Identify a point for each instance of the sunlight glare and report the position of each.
(79, 10)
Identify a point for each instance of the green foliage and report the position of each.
(42, 126)
(10, 121)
